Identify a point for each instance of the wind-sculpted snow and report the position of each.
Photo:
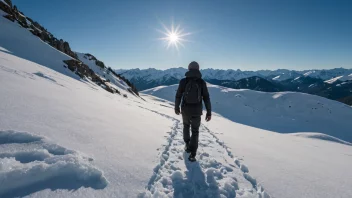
(216, 173)
(29, 164)
(321, 136)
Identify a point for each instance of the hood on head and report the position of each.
(193, 73)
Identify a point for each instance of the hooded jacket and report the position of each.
(193, 109)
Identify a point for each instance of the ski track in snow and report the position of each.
(28, 164)
(216, 173)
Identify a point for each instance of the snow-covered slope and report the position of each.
(80, 117)
(102, 72)
(20, 42)
(60, 137)
(69, 138)
(283, 112)
(287, 165)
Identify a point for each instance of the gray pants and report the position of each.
(194, 123)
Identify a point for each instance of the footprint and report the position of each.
(27, 156)
(40, 165)
(10, 137)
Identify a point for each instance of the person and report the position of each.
(190, 93)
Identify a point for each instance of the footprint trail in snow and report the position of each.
(215, 173)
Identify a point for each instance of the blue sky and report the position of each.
(231, 34)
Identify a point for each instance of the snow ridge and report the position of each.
(215, 174)
(28, 164)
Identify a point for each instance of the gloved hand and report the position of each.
(208, 117)
(177, 111)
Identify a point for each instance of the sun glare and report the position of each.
(174, 36)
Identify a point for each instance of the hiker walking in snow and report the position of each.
(190, 92)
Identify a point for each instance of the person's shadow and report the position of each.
(195, 184)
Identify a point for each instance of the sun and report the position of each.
(174, 36)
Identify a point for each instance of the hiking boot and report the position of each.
(187, 148)
(192, 157)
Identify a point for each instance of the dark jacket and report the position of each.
(193, 109)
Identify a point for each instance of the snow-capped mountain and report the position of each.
(253, 83)
(149, 78)
(337, 90)
(312, 82)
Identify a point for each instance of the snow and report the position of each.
(308, 73)
(297, 164)
(297, 78)
(322, 137)
(2, 13)
(35, 165)
(330, 75)
(102, 152)
(82, 141)
(84, 118)
(341, 78)
(283, 112)
(7, 137)
(77, 115)
(276, 78)
(115, 81)
(333, 80)
(165, 77)
(287, 166)
(152, 74)
(61, 136)
(20, 42)
(215, 175)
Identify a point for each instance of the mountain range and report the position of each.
(334, 84)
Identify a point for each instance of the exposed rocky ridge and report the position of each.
(84, 71)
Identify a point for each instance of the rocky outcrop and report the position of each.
(90, 57)
(97, 62)
(100, 63)
(7, 8)
(83, 71)
(20, 17)
(8, 2)
(132, 88)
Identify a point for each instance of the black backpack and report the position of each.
(193, 92)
